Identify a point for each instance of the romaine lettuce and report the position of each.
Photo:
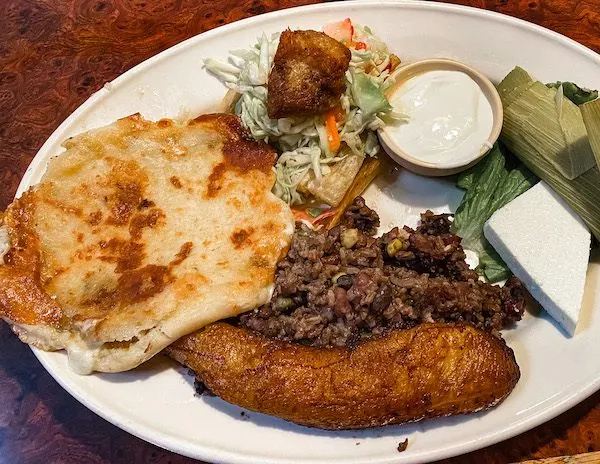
(489, 185)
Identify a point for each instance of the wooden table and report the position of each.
(53, 55)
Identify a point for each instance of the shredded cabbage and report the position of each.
(302, 141)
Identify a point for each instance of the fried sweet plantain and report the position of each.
(430, 370)
(308, 74)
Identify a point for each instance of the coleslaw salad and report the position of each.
(311, 144)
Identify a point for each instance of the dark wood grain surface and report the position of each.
(53, 55)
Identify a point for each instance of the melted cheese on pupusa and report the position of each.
(449, 117)
(139, 233)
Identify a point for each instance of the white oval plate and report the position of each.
(156, 402)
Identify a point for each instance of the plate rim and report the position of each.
(216, 454)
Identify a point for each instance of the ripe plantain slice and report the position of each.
(430, 370)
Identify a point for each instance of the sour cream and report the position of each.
(449, 117)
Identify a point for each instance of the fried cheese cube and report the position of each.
(307, 77)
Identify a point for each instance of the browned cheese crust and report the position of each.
(308, 74)
(139, 233)
(428, 371)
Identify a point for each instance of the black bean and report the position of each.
(345, 281)
(383, 298)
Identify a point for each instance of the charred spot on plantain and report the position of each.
(200, 388)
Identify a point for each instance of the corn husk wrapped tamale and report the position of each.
(591, 117)
(541, 127)
(580, 156)
(548, 123)
(515, 83)
(582, 193)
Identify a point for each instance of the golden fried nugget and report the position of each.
(430, 370)
(308, 74)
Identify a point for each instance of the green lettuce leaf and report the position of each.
(367, 95)
(489, 185)
(492, 265)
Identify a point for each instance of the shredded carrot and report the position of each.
(325, 215)
(360, 46)
(333, 137)
(302, 215)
